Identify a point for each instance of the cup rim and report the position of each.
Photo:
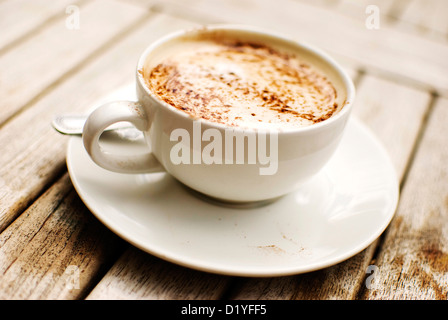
(346, 80)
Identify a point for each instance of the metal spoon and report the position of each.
(74, 124)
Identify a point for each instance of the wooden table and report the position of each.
(51, 62)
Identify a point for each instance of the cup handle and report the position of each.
(107, 115)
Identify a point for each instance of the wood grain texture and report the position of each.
(394, 112)
(378, 102)
(357, 8)
(34, 65)
(428, 18)
(139, 276)
(30, 133)
(23, 17)
(413, 261)
(55, 249)
(33, 154)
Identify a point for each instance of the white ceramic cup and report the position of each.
(300, 152)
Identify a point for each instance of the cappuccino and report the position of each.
(244, 84)
(197, 92)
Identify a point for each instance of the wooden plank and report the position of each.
(424, 18)
(394, 112)
(32, 153)
(181, 8)
(386, 50)
(413, 261)
(357, 8)
(55, 249)
(378, 103)
(37, 63)
(429, 16)
(21, 17)
(323, 2)
(140, 276)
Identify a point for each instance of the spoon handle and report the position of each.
(74, 124)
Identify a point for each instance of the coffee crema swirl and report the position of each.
(243, 84)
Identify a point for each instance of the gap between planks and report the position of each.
(94, 80)
(21, 202)
(36, 29)
(54, 235)
(72, 71)
(414, 262)
(407, 169)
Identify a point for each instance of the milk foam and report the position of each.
(243, 84)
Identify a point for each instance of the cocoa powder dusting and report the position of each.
(240, 84)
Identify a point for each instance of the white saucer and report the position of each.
(328, 220)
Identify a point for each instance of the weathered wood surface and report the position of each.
(21, 18)
(55, 249)
(34, 65)
(413, 260)
(32, 154)
(48, 238)
(136, 275)
(428, 18)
